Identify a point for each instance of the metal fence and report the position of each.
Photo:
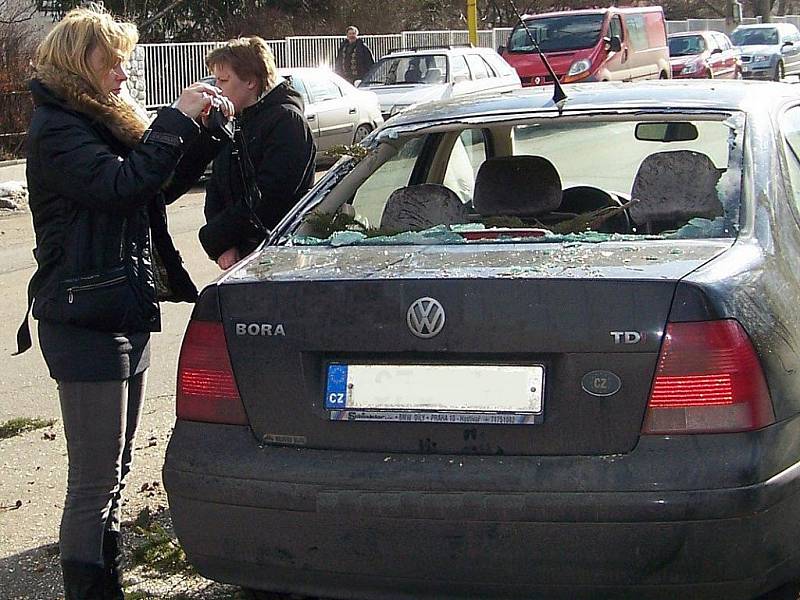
(17, 107)
(171, 67)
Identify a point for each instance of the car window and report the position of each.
(477, 66)
(637, 32)
(469, 151)
(558, 33)
(397, 70)
(459, 67)
(370, 198)
(500, 66)
(790, 125)
(686, 45)
(653, 182)
(489, 68)
(321, 89)
(615, 27)
(297, 83)
(757, 36)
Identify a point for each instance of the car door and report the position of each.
(617, 63)
(310, 108)
(791, 53)
(716, 60)
(334, 113)
(481, 76)
(729, 54)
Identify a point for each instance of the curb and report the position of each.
(11, 163)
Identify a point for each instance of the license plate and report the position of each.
(500, 394)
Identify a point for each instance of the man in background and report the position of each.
(354, 58)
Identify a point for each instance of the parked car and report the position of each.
(769, 51)
(607, 44)
(703, 55)
(337, 112)
(405, 77)
(488, 360)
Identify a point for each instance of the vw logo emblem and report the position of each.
(425, 317)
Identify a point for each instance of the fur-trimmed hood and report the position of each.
(50, 86)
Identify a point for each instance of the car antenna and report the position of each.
(559, 97)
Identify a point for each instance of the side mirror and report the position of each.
(501, 49)
(785, 44)
(613, 43)
(357, 83)
(716, 51)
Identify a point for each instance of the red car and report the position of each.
(703, 55)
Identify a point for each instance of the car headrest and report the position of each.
(520, 186)
(418, 207)
(433, 75)
(675, 185)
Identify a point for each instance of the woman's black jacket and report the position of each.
(96, 203)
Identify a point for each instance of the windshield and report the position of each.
(755, 37)
(686, 45)
(429, 69)
(558, 34)
(660, 178)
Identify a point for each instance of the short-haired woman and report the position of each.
(98, 179)
(278, 140)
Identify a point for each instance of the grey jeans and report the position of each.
(100, 421)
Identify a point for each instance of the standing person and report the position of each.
(279, 150)
(98, 179)
(354, 57)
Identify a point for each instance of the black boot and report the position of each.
(82, 581)
(112, 561)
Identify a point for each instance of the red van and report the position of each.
(604, 44)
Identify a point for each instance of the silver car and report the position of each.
(337, 112)
(769, 51)
(406, 77)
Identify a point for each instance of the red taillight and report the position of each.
(708, 380)
(206, 388)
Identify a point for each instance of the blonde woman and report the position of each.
(99, 177)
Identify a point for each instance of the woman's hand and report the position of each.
(199, 98)
(228, 258)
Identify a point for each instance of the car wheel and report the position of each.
(362, 131)
(780, 73)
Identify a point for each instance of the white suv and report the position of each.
(410, 76)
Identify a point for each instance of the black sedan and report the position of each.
(513, 349)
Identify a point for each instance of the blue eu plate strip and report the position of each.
(336, 390)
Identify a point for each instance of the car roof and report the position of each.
(609, 97)
(703, 33)
(438, 50)
(595, 11)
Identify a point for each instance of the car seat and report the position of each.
(418, 207)
(518, 186)
(434, 75)
(672, 187)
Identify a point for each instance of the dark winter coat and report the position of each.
(97, 197)
(282, 151)
(354, 60)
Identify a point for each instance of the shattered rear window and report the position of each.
(570, 179)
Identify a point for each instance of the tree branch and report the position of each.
(169, 8)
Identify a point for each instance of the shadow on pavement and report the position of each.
(32, 575)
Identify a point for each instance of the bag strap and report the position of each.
(24, 332)
(247, 173)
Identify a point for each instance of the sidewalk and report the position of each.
(12, 170)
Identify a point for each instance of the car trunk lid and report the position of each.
(587, 318)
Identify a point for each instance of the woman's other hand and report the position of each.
(228, 258)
